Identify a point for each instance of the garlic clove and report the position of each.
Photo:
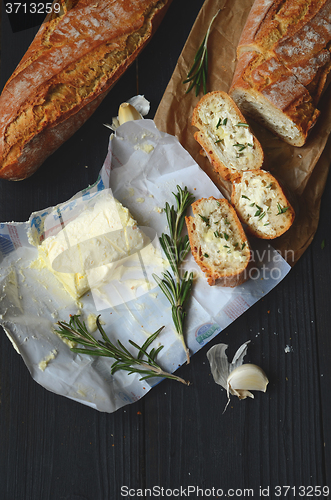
(127, 113)
(246, 378)
(134, 108)
(242, 394)
(236, 378)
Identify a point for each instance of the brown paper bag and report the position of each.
(301, 171)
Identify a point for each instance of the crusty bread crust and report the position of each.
(74, 60)
(261, 203)
(283, 63)
(218, 242)
(225, 136)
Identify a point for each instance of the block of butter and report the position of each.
(83, 254)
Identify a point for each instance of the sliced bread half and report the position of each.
(261, 204)
(218, 241)
(225, 136)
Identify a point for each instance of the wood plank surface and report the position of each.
(52, 448)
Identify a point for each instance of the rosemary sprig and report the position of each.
(176, 247)
(198, 72)
(144, 364)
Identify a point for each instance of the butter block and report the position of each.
(84, 253)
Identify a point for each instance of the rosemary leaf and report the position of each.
(258, 211)
(205, 219)
(281, 210)
(240, 147)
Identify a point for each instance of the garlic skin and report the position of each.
(236, 378)
(246, 378)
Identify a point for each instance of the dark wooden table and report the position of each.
(52, 448)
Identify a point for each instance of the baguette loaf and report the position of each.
(283, 62)
(261, 204)
(225, 136)
(75, 58)
(218, 242)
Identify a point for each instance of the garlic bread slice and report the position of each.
(218, 241)
(225, 136)
(261, 204)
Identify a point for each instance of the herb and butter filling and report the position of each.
(231, 138)
(258, 202)
(219, 239)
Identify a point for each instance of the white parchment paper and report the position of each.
(142, 169)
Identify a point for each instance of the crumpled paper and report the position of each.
(301, 171)
(142, 169)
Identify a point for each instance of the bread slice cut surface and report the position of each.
(225, 135)
(261, 204)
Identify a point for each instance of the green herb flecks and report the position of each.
(258, 211)
(199, 70)
(175, 246)
(240, 147)
(144, 363)
(205, 219)
(281, 210)
(240, 124)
